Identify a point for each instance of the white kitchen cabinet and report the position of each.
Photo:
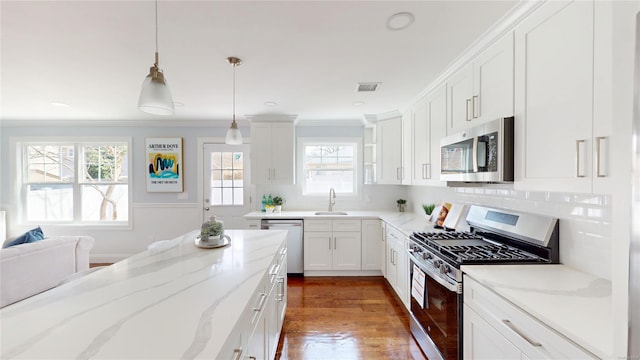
(370, 156)
(493, 82)
(460, 96)
(407, 149)
(397, 263)
(482, 341)
(554, 67)
(483, 90)
(429, 121)
(332, 245)
(493, 328)
(272, 153)
(389, 151)
(372, 245)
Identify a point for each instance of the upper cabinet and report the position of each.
(428, 126)
(482, 90)
(554, 63)
(389, 151)
(272, 149)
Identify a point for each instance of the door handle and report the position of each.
(599, 150)
(475, 106)
(468, 105)
(579, 145)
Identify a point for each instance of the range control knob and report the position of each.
(426, 256)
(416, 249)
(437, 263)
(444, 269)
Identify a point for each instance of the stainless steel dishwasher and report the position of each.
(295, 250)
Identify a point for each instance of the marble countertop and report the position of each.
(172, 301)
(576, 304)
(404, 221)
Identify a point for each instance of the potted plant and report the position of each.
(402, 203)
(428, 209)
(211, 229)
(277, 202)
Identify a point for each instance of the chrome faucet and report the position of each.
(332, 199)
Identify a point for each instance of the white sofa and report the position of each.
(29, 269)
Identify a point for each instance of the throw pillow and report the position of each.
(30, 236)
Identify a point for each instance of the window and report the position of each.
(75, 182)
(329, 164)
(227, 178)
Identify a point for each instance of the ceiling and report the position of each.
(305, 56)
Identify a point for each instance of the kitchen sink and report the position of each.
(331, 213)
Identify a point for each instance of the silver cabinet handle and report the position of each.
(329, 242)
(237, 354)
(468, 104)
(600, 172)
(426, 171)
(280, 295)
(579, 170)
(398, 174)
(519, 333)
(263, 299)
(475, 107)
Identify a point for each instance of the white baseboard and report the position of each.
(342, 273)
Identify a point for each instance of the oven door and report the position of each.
(439, 317)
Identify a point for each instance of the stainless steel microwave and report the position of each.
(483, 153)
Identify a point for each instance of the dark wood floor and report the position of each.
(345, 318)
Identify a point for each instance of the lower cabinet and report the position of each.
(332, 245)
(397, 266)
(493, 328)
(372, 245)
(257, 334)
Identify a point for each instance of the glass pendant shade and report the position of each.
(155, 97)
(234, 136)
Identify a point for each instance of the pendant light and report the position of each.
(155, 97)
(234, 137)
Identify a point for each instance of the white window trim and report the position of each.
(358, 169)
(16, 152)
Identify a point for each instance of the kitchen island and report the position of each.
(172, 301)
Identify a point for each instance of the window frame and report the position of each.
(20, 144)
(357, 167)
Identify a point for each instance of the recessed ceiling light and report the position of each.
(59, 104)
(270, 103)
(358, 103)
(399, 21)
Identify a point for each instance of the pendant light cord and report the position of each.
(156, 64)
(234, 93)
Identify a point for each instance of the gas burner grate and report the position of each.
(464, 253)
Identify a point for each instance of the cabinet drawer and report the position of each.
(317, 225)
(535, 339)
(347, 225)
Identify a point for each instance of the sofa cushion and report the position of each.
(30, 236)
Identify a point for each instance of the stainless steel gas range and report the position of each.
(496, 237)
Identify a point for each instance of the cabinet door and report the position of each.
(260, 153)
(482, 341)
(437, 106)
(372, 245)
(460, 93)
(553, 107)
(318, 250)
(389, 151)
(406, 170)
(282, 153)
(421, 142)
(402, 263)
(347, 251)
(493, 82)
(271, 323)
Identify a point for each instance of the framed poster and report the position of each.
(164, 164)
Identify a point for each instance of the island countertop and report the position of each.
(172, 301)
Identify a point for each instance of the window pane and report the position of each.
(216, 196)
(50, 164)
(105, 203)
(104, 163)
(329, 166)
(49, 202)
(216, 160)
(229, 180)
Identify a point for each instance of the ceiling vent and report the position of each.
(367, 86)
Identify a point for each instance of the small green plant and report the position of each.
(211, 228)
(428, 208)
(278, 200)
(401, 202)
